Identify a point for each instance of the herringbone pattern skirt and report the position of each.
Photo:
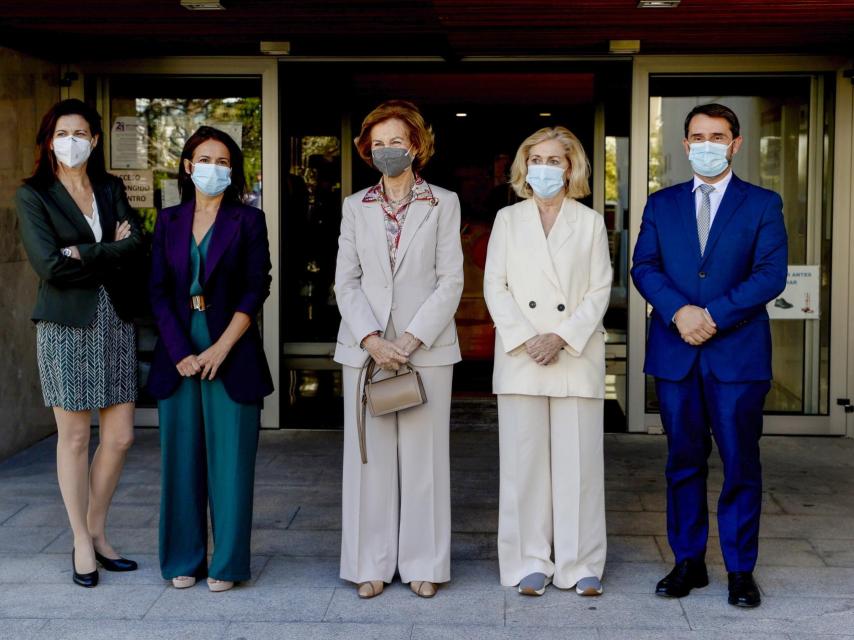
(90, 367)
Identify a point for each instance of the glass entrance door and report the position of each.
(480, 115)
(787, 125)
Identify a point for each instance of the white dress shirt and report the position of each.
(95, 221)
(715, 196)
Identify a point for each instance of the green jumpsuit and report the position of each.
(208, 444)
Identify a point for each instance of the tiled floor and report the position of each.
(806, 567)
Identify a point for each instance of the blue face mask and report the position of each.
(211, 179)
(545, 180)
(708, 159)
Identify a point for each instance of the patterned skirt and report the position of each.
(84, 368)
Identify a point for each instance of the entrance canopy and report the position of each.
(452, 29)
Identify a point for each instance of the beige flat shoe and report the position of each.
(370, 589)
(183, 582)
(422, 588)
(219, 585)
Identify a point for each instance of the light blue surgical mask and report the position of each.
(708, 159)
(211, 179)
(546, 180)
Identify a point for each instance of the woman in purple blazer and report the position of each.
(210, 276)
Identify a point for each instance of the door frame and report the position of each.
(841, 321)
(267, 69)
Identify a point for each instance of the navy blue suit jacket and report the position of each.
(743, 268)
(236, 278)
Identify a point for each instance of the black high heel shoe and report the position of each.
(87, 580)
(119, 564)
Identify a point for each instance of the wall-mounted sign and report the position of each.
(129, 143)
(800, 299)
(139, 186)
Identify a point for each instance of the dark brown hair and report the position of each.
(420, 134)
(715, 110)
(236, 191)
(44, 172)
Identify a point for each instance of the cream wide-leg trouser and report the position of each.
(396, 509)
(552, 493)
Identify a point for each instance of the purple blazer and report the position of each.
(236, 278)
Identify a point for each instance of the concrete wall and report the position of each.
(28, 87)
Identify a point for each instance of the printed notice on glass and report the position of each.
(129, 143)
(139, 186)
(169, 194)
(800, 299)
(234, 129)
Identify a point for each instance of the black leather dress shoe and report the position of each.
(743, 591)
(87, 580)
(686, 575)
(119, 564)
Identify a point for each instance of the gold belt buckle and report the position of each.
(197, 303)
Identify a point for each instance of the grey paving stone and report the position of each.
(633, 549)
(823, 505)
(21, 629)
(270, 515)
(830, 582)
(798, 526)
(485, 632)
(397, 604)
(128, 541)
(777, 552)
(777, 614)
(8, 508)
(474, 575)
(315, 517)
(558, 608)
(286, 542)
(133, 493)
(72, 601)
(314, 573)
(473, 546)
(835, 553)
(47, 568)
(475, 520)
(657, 501)
(28, 539)
(133, 630)
(120, 515)
(623, 501)
(641, 634)
(643, 523)
(248, 603)
(316, 631)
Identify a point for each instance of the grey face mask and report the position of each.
(391, 161)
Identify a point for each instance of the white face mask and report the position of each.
(71, 151)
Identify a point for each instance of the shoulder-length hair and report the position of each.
(236, 191)
(420, 134)
(46, 166)
(577, 185)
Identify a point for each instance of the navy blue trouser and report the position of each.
(693, 410)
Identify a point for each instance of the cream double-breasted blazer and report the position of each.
(560, 284)
(420, 296)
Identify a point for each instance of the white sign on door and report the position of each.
(129, 143)
(800, 300)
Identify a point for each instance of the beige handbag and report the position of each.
(403, 390)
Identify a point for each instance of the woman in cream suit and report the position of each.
(547, 284)
(398, 282)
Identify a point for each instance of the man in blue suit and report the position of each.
(711, 253)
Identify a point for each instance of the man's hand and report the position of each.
(544, 349)
(695, 324)
(385, 353)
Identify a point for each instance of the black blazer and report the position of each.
(49, 220)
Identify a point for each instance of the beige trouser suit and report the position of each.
(552, 489)
(396, 509)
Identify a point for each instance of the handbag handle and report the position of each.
(366, 376)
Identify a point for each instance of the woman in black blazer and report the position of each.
(82, 238)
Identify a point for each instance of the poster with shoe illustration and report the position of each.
(800, 299)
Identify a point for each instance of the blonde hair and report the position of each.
(419, 133)
(577, 185)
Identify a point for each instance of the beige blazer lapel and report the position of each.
(418, 212)
(536, 239)
(563, 227)
(374, 222)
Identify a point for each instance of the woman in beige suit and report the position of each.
(547, 284)
(398, 282)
